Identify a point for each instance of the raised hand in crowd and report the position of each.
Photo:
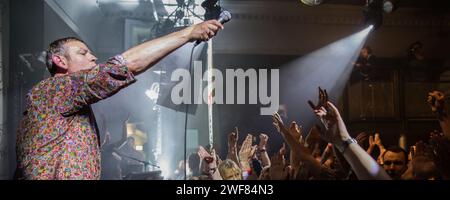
(297, 134)
(299, 151)
(336, 133)
(379, 143)
(263, 139)
(262, 150)
(375, 141)
(335, 129)
(232, 146)
(246, 153)
(323, 99)
(361, 138)
(278, 169)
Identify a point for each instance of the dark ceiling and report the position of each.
(437, 4)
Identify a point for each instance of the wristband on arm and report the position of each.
(344, 145)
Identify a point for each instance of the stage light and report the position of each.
(373, 14)
(329, 67)
(312, 2)
(374, 19)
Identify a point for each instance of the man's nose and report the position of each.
(93, 58)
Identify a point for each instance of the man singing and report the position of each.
(58, 137)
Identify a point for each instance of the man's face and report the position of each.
(394, 164)
(364, 53)
(78, 57)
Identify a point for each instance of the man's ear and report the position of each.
(60, 61)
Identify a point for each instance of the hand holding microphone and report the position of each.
(206, 30)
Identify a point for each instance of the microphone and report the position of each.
(224, 17)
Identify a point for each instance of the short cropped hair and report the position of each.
(57, 48)
(397, 149)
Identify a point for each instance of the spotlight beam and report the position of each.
(329, 67)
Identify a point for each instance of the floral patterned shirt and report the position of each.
(57, 137)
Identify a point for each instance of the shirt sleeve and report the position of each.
(90, 86)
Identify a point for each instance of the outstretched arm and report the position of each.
(364, 166)
(145, 55)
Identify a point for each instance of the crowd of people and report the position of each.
(327, 152)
